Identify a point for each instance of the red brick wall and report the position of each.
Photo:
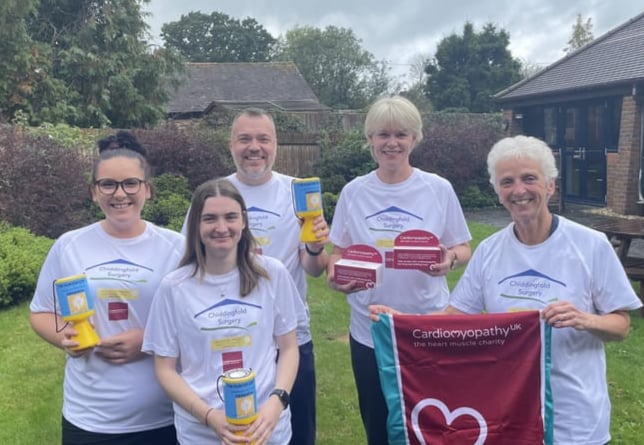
(623, 166)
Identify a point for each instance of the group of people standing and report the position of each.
(174, 312)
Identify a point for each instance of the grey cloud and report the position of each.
(396, 31)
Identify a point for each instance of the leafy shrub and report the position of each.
(21, 257)
(343, 157)
(455, 146)
(474, 198)
(43, 185)
(71, 137)
(198, 155)
(329, 201)
(171, 202)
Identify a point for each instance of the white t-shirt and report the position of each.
(374, 213)
(123, 275)
(277, 230)
(206, 324)
(574, 264)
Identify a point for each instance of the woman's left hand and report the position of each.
(562, 314)
(442, 268)
(376, 309)
(262, 428)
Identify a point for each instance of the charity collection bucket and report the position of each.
(76, 306)
(307, 203)
(240, 396)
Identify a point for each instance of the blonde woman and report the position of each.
(373, 209)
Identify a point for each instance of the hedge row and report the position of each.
(21, 256)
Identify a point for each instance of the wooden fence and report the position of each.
(340, 120)
(297, 154)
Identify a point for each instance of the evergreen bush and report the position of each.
(170, 203)
(343, 157)
(329, 201)
(21, 257)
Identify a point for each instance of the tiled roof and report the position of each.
(616, 57)
(237, 85)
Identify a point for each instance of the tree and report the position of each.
(468, 70)
(582, 33)
(417, 64)
(415, 87)
(217, 37)
(341, 73)
(529, 68)
(18, 70)
(89, 65)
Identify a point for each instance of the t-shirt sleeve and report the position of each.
(467, 295)
(43, 298)
(612, 290)
(160, 336)
(286, 302)
(338, 234)
(456, 230)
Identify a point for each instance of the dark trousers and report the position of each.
(373, 408)
(303, 398)
(72, 435)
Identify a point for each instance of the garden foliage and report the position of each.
(171, 201)
(44, 185)
(455, 146)
(21, 256)
(197, 154)
(344, 156)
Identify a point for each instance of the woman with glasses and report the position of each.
(110, 394)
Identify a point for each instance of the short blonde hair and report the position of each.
(396, 111)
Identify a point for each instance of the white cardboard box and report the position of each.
(366, 274)
(407, 257)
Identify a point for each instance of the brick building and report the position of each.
(588, 106)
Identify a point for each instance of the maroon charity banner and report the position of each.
(462, 379)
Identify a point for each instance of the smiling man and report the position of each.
(272, 220)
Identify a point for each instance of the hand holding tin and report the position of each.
(307, 202)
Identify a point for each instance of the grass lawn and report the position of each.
(31, 375)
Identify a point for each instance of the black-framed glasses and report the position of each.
(130, 186)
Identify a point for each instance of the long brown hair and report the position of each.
(249, 270)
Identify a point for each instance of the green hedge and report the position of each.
(21, 257)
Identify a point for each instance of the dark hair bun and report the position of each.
(122, 139)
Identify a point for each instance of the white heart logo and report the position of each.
(449, 417)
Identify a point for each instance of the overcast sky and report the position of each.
(396, 31)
